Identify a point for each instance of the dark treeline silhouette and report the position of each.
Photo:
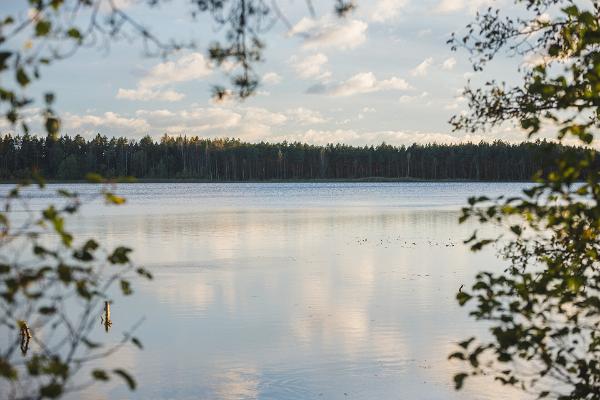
(70, 158)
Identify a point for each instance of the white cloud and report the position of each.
(271, 78)
(262, 116)
(193, 121)
(534, 59)
(248, 123)
(364, 82)
(539, 22)
(187, 68)
(313, 66)
(450, 6)
(144, 94)
(305, 116)
(458, 101)
(412, 99)
(385, 10)
(329, 31)
(356, 138)
(421, 69)
(109, 123)
(449, 63)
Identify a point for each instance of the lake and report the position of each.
(294, 290)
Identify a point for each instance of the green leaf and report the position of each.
(114, 199)
(126, 287)
(74, 34)
(463, 298)
(94, 177)
(126, 377)
(119, 255)
(47, 310)
(42, 28)
(137, 342)
(516, 230)
(52, 390)
(572, 11)
(89, 344)
(49, 98)
(22, 77)
(56, 4)
(52, 126)
(4, 56)
(100, 375)
(459, 380)
(7, 370)
(144, 272)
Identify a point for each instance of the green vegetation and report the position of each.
(543, 310)
(45, 32)
(54, 288)
(232, 160)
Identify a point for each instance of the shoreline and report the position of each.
(341, 180)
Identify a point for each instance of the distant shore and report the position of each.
(341, 180)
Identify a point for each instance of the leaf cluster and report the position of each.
(52, 288)
(544, 308)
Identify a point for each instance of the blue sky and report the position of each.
(384, 73)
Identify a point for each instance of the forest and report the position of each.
(181, 157)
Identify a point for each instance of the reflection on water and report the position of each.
(295, 291)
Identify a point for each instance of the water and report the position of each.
(294, 291)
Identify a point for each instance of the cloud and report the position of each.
(328, 31)
(421, 69)
(271, 78)
(109, 121)
(305, 116)
(256, 124)
(458, 102)
(196, 120)
(385, 10)
(262, 116)
(311, 67)
(537, 58)
(187, 68)
(449, 63)
(412, 99)
(248, 123)
(364, 82)
(450, 6)
(398, 138)
(144, 94)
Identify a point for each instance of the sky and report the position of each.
(383, 73)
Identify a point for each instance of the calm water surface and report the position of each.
(294, 291)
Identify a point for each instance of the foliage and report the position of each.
(544, 308)
(53, 286)
(45, 32)
(230, 159)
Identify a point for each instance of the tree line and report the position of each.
(224, 159)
